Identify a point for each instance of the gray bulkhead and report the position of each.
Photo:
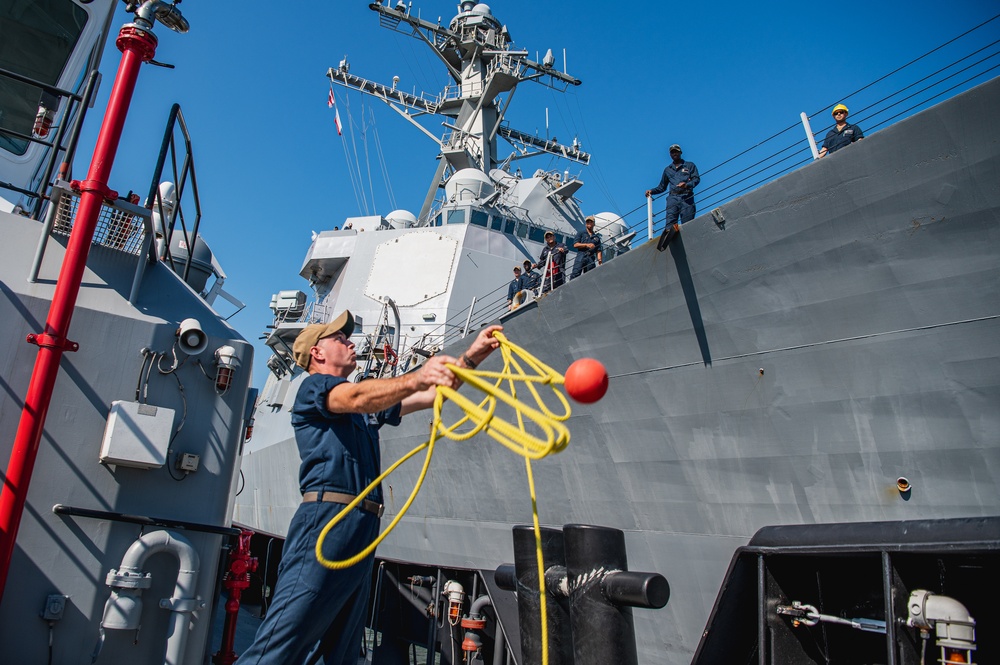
(72, 555)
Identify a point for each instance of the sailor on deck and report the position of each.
(588, 244)
(317, 614)
(529, 277)
(553, 261)
(843, 133)
(516, 286)
(681, 178)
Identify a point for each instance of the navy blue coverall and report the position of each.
(680, 200)
(835, 140)
(317, 614)
(586, 259)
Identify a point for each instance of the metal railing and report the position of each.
(73, 102)
(128, 228)
(954, 66)
(184, 176)
(121, 226)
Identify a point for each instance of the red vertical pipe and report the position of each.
(237, 578)
(137, 46)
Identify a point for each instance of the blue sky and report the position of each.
(718, 78)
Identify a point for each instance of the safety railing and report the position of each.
(147, 231)
(946, 70)
(184, 177)
(122, 226)
(73, 113)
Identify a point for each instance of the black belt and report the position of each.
(337, 497)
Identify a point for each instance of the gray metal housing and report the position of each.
(71, 555)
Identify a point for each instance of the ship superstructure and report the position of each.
(414, 280)
(408, 274)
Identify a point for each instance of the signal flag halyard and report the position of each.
(331, 103)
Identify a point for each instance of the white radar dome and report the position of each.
(468, 185)
(609, 225)
(482, 9)
(401, 219)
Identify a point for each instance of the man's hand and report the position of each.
(424, 383)
(483, 345)
(435, 372)
(649, 192)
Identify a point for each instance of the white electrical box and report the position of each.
(137, 435)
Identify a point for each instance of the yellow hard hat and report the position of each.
(839, 107)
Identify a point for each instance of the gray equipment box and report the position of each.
(137, 435)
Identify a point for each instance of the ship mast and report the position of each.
(476, 50)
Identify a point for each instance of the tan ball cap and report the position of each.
(313, 333)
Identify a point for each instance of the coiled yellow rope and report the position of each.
(555, 438)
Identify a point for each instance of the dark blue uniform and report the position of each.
(680, 200)
(317, 614)
(516, 284)
(530, 279)
(586, 259)
(835, 140)
(555, 278)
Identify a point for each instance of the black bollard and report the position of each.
(601, 592)
(528, 602)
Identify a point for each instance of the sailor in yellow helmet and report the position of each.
(842, 134)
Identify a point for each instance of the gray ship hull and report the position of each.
(784, 361)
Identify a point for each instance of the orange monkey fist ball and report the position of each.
(586, 380)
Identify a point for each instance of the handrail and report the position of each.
(40, 194)
(73, 511)
(154, 201)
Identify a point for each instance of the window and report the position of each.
(38, 39)
(508, 226)
(522, 230)
(497, 223)
(456, 216)
(537, 234)
(479, 218)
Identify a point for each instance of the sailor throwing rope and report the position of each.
(317, 612)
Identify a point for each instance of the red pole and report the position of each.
(137, 46)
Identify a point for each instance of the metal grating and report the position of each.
(116, 228)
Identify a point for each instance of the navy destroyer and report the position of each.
(800, 434)
(821, 350)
